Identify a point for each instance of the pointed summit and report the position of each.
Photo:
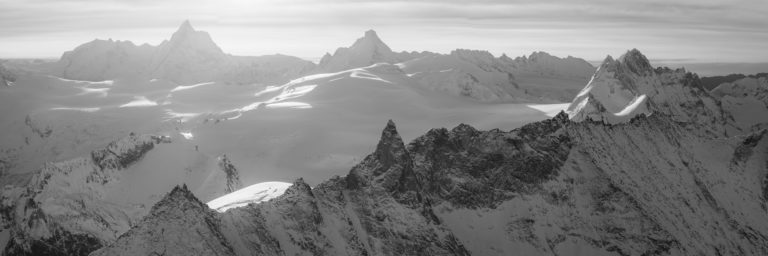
(366, 51)
(370, 43)
(178, 214)
(390, 166)
(185, 31)
(186, 26)
(636, 62)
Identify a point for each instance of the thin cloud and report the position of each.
(713, 29)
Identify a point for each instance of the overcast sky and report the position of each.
(681, 30)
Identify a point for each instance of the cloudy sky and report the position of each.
(665, 30)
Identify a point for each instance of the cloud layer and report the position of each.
(703, 30)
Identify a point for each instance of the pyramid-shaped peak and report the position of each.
(391, 144)
(371, 42)
(389, 131)
(185, 27)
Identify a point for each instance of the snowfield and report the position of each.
(255, 193)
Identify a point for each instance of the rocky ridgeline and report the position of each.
(557, 184)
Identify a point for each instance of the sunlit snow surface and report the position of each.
(252, 194)
(187, 135)
(139, 101)
(313, 127)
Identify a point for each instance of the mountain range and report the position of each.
(191, 56)
(164, 150)
(644, 161)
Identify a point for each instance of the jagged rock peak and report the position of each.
(299, 187)
(390, 142)
(179, 196)
(634, 61)
(464, 129)
(386, 166)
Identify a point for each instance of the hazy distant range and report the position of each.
(701, 68)
(707, 68)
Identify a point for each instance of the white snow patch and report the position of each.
(181, 88)
(101, 92)
(256, 193)
(90, 110)
(187, 135)
(289, 104)
(139, 101)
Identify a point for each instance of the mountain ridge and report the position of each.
(189, 56)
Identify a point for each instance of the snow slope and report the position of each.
(318, 124)
(474, 74)
(747, 100)
(190, 56)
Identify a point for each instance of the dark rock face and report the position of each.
(119, 154)
(481, 169)
(389, 166)
(233, 177)
(744, 150)
(59, 242)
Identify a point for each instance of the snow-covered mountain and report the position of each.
(629, 86)
(190, 56)
(660, 183)
(546, 65)
(713, 81)
(470, 73)
(75, 206)
(746, 99)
